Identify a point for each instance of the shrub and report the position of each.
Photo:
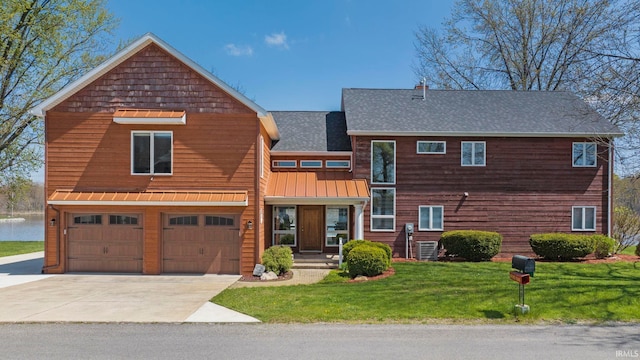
(367, 260)
(604, 246)
(346, 249)
(277, 259)
(557, 246)
(638, 249)
(472, 245)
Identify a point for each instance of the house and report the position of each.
(153, 165)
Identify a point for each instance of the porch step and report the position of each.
(315, 261)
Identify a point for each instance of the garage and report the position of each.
(104, 242)
(201, 243)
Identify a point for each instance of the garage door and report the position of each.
(105, 242)
(201, 243)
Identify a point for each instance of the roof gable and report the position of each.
(311, 131)
(471, 112)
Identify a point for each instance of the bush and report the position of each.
(604, 246)
(638, 249)
(557, 246)
(277, 259)
(346, 249)
(472, 245)
(367, 260)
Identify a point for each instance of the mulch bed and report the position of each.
(286, 276)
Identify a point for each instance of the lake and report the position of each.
(32, 229)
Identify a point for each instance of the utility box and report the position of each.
(523, 264)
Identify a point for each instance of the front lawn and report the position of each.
(452, 292)
(8, 248)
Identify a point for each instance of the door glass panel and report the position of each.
(183, 220)
(88, 219)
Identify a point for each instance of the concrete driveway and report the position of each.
(27, 296)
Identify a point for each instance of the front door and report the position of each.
(311, 234)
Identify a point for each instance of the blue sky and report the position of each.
(290, 55)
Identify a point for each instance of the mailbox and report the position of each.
(523, 264)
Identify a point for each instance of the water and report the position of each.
(32, 229)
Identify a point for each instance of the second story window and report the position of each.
(473, 153)
(584, 154)
(383, 162)
(151, 152)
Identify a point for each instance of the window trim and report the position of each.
(584, 228)
(311, 167)
(284, 232)
(473, 156)
(395, 151)
(372, 215)
(430, 228)
(337, 232)
(261, 159)
(276, 164)
(584, 152)
(328, 166)
(151, 152)
(444, 143)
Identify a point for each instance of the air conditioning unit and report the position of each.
(428, 250)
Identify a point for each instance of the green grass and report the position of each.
(8, 248)
(452, 292)
(631, 250)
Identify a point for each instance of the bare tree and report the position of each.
(44, 45)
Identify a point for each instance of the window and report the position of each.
(383, 209)
(218, 220)
(431, 147)
(310, 163)
(123, 220)
(88, 219)
(284, 163)
(284, 225)
(430, 218)
(183, 220)
(473, 153)
(338, 164)
(584, 154)
(583, 218)
(383, 159)
(337, 225)
(151, 152)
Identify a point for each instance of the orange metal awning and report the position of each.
(150, 116)
(150, 198)
(315, 188)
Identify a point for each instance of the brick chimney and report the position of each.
(422, 87)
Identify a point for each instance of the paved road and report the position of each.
(317, 341)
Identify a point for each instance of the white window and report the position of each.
(473, 153)
(310, 163)
(431, 147)
(383, 209)
(337, 225)
(151, 152)
(284, 225)
(583, 218)
(431, 218)
(284, 163)
(383, 161)
(338, 164)
(584, 154)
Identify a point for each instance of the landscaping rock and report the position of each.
(269, 276)
(258, 270)
(361, 278)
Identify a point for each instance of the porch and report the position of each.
(315, 261)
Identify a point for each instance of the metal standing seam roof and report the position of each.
(319, 186)
(173, 198)
(148, 113)
(472, 112)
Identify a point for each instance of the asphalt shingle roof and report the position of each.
(480, 112)
(311, 131)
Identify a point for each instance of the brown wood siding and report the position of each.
(152, 79)
(263, 241)
(527, 186)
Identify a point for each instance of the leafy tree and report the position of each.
(16, 189)
(590, 47)
(44, 45)
(626, 228)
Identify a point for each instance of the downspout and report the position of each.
(610, 190)
(57, 264)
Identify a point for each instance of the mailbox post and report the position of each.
(526, 267)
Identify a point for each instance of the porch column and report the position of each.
(358, 232)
